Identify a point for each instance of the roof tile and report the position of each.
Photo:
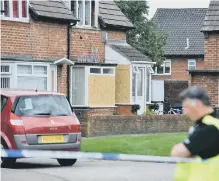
(211, 22)
(111, 15)
(130, 52)
(178, 25)
(55, 9)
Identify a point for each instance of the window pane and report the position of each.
(40, 70)
(78, 86)
(73, 8)
(191, 63)
(92, 13)
(108, 71)
(160, 69)
(148, 87)
(2, 7)
(24, 69)
(192, 68)
(80, 12)
(167, 67)
(5, 82)
(27, 82)
(5, 68)
(24, 9)
(6, 8)
(15, 9)
(95, 70)
(52, 105)
(87, 13)
(140, 82)
(133, 84)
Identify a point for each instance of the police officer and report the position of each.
(203, 139)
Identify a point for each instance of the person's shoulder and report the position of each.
(210, 120)
(206, 130)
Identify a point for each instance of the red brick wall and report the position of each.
(83, 41)
(209, 83)
(179, 67)
(212, 52)
(118, 125)
(125, 110)
(116, 35)
(39, 39)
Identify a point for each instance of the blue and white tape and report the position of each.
(88, 155)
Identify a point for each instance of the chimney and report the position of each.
(187, 44)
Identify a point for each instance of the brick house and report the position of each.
(184, 50)
(208, 76)
(34, 45)
(60, 46)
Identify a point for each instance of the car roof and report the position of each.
(26, 92)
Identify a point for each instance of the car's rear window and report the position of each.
(51, 105)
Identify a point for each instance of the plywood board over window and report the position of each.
(123, 84)
(101, 91)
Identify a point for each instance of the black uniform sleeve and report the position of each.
(202, 140)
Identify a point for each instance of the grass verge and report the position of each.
(156, 144)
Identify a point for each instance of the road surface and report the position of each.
(87, 170)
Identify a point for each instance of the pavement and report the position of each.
(87, 170)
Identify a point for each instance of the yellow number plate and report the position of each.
(53, 139)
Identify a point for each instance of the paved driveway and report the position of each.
(87, 170)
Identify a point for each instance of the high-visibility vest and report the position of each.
(202, 170)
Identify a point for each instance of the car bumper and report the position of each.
(20, 144)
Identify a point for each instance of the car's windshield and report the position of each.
(51, 105)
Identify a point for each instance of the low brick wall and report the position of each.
(118, 125)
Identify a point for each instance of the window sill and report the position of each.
(162, 74)
(86, 28)
(16, 19)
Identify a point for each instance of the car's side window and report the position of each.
(3, 102)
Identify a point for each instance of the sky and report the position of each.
(154, 4)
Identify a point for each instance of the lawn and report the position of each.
(156, 144)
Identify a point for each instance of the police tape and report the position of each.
(89, 155)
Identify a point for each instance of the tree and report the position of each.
(145, 37)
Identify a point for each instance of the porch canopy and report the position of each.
(126, 50)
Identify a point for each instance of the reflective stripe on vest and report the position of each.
(203, 170)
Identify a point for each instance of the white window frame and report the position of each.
(150, 70)
(95, 68)
(83, 21)
(135, 69)
(109, 68)
(101, 71)
(150, 87)
(192, 61)
(166, 61)
(7, 74)
(11, 18)
(36, 75)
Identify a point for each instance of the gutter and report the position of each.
(68, 56)
(143, 62)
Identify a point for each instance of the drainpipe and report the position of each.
(68, 56)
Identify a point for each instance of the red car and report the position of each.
(38, 120)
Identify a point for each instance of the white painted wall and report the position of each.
(111, 56)
(157, 90)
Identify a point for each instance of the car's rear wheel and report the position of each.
(67, 162)
(6, 162)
